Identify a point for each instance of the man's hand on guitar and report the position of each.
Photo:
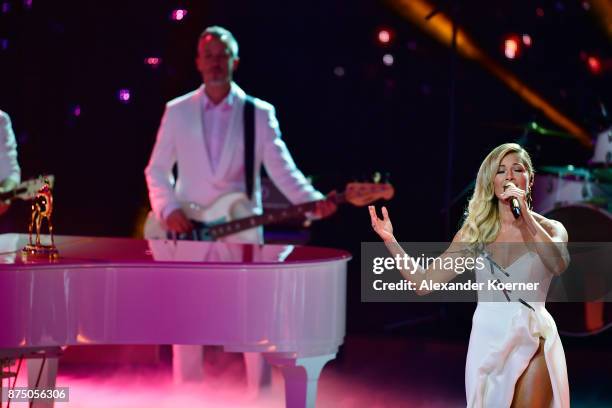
(177, 222)
(324, 208)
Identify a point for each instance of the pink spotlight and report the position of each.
(384, 36)
(124, 95)
(76, 111)
(153, 61)
(594, 65)
(527, 40)
(510, 49)
(512, 46)
(27, 3)
(179, 14)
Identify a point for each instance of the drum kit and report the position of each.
(581, 199)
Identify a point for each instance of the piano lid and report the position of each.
(78, 250)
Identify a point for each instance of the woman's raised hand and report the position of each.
(383, 227)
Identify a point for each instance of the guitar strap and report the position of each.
(249, 145)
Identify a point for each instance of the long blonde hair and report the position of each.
(482, 224)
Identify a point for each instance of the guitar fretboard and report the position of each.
(269, 217)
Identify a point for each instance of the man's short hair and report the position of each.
(224, 35)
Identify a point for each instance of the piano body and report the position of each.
(287, 302)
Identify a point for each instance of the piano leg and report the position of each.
(187, 366)
(187, 363)
(301, 376)
(45, 378)
(258, 372)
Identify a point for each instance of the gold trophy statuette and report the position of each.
(42, 208)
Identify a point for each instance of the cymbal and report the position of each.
(568, 170)
(603, 175)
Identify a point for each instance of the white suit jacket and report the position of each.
(180, 140)
(9, 168)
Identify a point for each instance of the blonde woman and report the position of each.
(515, 357)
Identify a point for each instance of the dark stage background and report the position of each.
(343, 113)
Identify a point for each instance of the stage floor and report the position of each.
(370, 372)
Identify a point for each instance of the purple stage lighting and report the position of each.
(179, 14)
(124, 95)
(388, 60)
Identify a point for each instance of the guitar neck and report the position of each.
(270, 217)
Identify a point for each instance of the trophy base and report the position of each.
(33, 252)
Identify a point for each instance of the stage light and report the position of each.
(540, 12)
(512, 46)
(4, 43)
(124, 95)
(27, 4)
(594, 65)
(586, 5)
(385, 36)
(179, 14)
(527, 40)
(388, 59)
(153, 61)
(76, 110)
(6, 7)
(441, 28)
(339, 72)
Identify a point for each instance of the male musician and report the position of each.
(203, 133)
(10, 173)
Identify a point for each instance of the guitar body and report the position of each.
(226, 208)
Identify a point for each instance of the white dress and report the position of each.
(505, 336)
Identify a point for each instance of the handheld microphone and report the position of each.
(514, 203)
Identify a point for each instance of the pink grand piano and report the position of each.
(287, 302)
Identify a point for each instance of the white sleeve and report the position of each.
(9, 167)
(280, 165)
(158, 172)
